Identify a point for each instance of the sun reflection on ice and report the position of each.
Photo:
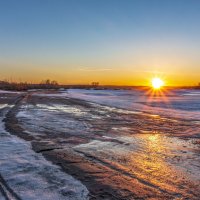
(150, 163)
(153, 138)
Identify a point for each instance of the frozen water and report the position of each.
(152, 158)
(182, 103)
(9, 92)
(30, 176)
(3, 106)
(168, 158)
(34, 119)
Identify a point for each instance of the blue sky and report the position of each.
(74, 40)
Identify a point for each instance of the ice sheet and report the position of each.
(182, 103)
(9, 92)
(30, 176)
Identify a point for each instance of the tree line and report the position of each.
(20, 86)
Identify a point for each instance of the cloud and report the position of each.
(87, 69)
(153, 72)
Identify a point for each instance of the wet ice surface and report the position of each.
(140, 146)
(113, 129)
(30, 176)
(38, 119)
(9, 92)
(153, 157)
(1, 196)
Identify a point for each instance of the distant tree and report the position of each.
(47, 82)
(54, 83)
(95, 84)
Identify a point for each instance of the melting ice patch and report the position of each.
(9, 92)
(34, 119)
(64, 108)
(3, 106)
(31, 177)
(164, 152)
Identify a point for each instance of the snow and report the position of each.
(1, 196)
(64, 108)
(3, 106)
(34, 119)
(9, 92)
(51, 94)
(30, 176)
(182, 103)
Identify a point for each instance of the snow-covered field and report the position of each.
(181, 103)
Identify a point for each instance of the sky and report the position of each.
(113, 42)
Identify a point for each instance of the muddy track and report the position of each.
(11, 122)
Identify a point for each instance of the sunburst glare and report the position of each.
(157, 83)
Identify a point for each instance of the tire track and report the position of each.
(8, 193)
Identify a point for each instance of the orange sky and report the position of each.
(78, 42)
(105, 76)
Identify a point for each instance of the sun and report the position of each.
(157, 83)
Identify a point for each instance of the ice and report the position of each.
(30, 176)
(51, 94)
(3, 106)
(9, 92)
(34, 119)
(134, 146)
(182, 103)
(1, 196)
(133, 153)
(64, 108)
